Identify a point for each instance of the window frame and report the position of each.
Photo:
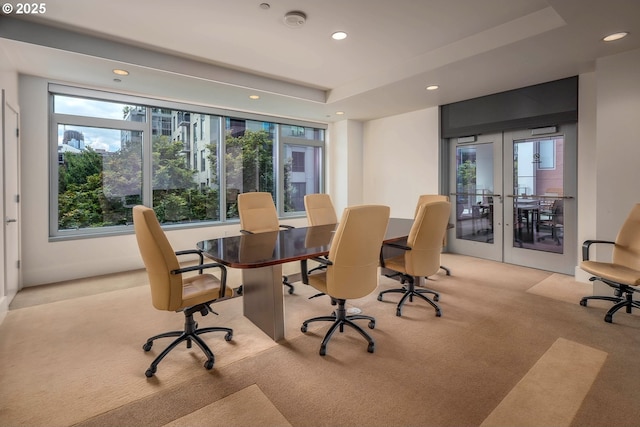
(146, 129)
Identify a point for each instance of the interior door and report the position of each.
(540, 207)
(512, 197)
(11, 214)
(476, 196)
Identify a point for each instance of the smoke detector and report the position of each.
(295, 19)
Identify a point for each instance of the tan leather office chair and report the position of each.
(320, 211)
(623, 272)
(352, 267)
(172, 291)
(428, 198)
(257, 215)
(421, 255)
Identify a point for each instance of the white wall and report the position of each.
(401, 158)
(617, 147)
(344, 164)
(618, 140)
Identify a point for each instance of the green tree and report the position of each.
(249, 161)
(77, 167)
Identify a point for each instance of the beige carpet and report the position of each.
(508, 334)
(246, 407)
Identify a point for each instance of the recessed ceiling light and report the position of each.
(254, 97)
(265, 6)
(120, 72)
(339, 35)
(339, 113)
(432, 87)
(615, 36)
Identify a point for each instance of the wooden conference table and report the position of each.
(261, 255)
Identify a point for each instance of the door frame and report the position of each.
(487, 250)
(503, 206)
(11, 241)
(561, 263)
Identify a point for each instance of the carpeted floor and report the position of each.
(513, 347)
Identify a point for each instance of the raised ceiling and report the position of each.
(218, 52)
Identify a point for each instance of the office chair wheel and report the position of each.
(291, 290)
(583, 302)
(398, 312)
(303, 328)
(372, 324)
(438, 313)
(149, 372)
(147, 346)
(209, 364)
(371, 348)
(608, 318)
(436, 298)
(323, 350)
(379, 297)
(228, 336)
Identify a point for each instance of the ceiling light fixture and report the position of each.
(615, 36)
(120, 72)
(339, 35)
(254, 97)
(265, 6)
(339, 113)
(432, 87)
(295, 19)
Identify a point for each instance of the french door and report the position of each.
(512, 197)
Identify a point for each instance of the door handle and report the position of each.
(10, 220)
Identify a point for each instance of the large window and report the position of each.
(112, 152)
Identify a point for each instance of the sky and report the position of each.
(97, 138)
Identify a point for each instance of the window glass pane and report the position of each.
(95, 108)
(99, 176)
(302, 132)
(249, 159)
(185, 186)
(301, 174)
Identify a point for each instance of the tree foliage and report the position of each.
(98, 190)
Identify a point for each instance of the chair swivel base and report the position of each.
(189, 334)
(285, 281)
(340, 319)
(409, 291)
(620, 302)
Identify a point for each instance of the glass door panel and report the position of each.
(539, 185)
(477, 209)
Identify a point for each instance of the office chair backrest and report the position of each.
(425, 238)
(627, 248)
(355, 251)
(428, 198)
(257, 212)
(159, 260)
(320, 210)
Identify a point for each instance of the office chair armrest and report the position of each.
(322, 260)
(289, 227)
(398, 246)
(587, 244)
(191, 251)
(223, 273)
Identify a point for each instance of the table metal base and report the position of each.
(263, 299)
